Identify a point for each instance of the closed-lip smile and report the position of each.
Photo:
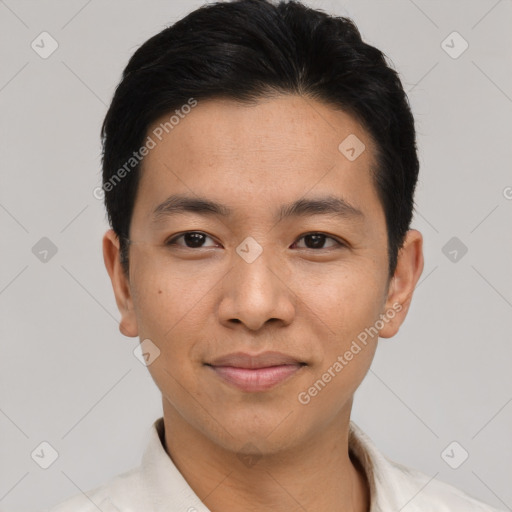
(255, 372)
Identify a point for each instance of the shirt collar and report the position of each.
(166, 488)
(386, 490)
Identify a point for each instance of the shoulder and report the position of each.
(119, 494)
(427, 494)
(394, 486)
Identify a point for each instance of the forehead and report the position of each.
(275, 150)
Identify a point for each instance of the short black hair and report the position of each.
(245, 50)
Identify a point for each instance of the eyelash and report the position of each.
(171, 241)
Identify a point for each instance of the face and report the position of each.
(252, 232)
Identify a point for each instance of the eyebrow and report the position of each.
(326, 205)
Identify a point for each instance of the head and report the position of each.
(285, 147)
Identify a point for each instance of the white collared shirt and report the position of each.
(158, 486)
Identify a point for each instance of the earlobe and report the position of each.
(408, 271)
(120, 284)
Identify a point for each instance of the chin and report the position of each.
(269, 430)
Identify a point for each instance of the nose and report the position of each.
(255, 294)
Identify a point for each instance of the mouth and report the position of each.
(254, 373)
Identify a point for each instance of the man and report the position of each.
(259, 172)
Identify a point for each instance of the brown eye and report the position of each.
(317, 241)
(191, 240)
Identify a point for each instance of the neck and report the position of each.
(317, 475)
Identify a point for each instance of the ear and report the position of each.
(408, 271)
(120, 284)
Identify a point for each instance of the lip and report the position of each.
(258, 372)
(255, 361)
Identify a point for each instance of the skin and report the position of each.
(196, 304)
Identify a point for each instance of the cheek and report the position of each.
(347, 298)
(350, 307)
(170, 299)
(174, 310)
(168, 309)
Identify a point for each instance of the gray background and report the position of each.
(70, 378)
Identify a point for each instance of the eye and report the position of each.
(317, 241)
(192, 240)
